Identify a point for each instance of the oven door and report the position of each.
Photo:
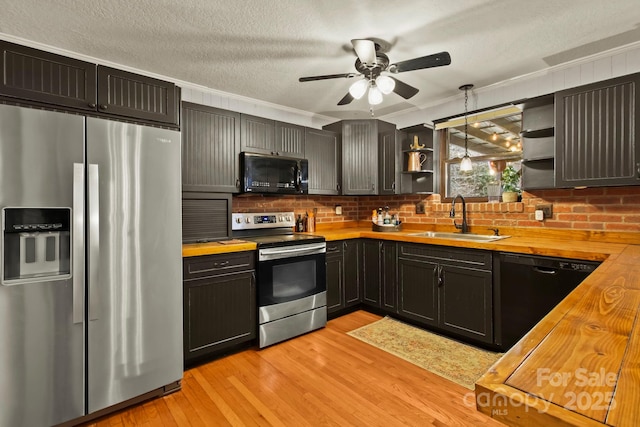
(289, 273)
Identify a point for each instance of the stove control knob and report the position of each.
(247, 220)
(238, 220)
(288, 218)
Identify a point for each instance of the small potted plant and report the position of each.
(510, 184)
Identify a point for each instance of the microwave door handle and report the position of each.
(298, 176)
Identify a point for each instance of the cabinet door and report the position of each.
(219, 311)
(258, 135)
(389, 279)
(352, 250)
(466, 306)
(322, 150)
(131, 95)
(210, 147)
(418, 290)
(40, 76)
(290, 140)
(371, 279)
(387, 160)
(596, 128)
(359, 157)
(335, 277)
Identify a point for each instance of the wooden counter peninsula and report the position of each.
(580, 365)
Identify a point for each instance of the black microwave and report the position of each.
(263, 173)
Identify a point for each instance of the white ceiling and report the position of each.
(258, 49)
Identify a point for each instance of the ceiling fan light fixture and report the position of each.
(386, 84)
(375, 96)
(358, 89)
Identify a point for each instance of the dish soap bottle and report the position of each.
(374, 216)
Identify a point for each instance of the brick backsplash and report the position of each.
(609, 208)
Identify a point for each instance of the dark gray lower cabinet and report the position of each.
(466, 306)
(343, 284)
(380, 288)
(447, 288)
(418, 289)
(219, 303)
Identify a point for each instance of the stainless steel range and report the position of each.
(291, 275)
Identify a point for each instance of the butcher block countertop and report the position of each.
(221, 247)
(580, 365)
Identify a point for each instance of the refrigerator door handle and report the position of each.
(94, 239)
(77, 259)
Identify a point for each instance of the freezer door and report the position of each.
(41, 331)
(134, 260)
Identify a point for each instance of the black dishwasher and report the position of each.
(527, 287)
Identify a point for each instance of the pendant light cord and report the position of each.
(466, 135)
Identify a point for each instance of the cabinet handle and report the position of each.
(221, 264)
(92, 105)
(638, 170)
(440, 276)
(332, 249)
(393, 186)
(103, 106)
(237, 182)
(338, 187)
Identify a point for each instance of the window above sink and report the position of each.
(493, 140)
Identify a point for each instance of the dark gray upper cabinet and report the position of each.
(389, 173)
(362, 159)
(40, 76)
(44, 77)
(210, 147)
(290, 140)
(260, 135)
(132, 95)
(322, 148)
(595, 132)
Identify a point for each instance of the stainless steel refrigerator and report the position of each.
(91, 276)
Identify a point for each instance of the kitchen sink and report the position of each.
(470, 237)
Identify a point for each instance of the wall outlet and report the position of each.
(547, 210)
(338, 210)
(420, 208)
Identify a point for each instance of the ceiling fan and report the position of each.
(371, 63)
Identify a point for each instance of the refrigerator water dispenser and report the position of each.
(36, 245)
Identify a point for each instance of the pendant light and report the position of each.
(465, 164)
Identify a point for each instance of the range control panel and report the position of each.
(258, 220)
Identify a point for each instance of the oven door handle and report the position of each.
(291, 251)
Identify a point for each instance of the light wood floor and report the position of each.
(325, 378)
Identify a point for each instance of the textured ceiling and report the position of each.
(258, 49)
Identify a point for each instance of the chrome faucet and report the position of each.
(463, 227)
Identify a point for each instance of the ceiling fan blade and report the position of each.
(346, 100)
(404, 90)
(430, 61)
(328, 76)
(366, 50)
